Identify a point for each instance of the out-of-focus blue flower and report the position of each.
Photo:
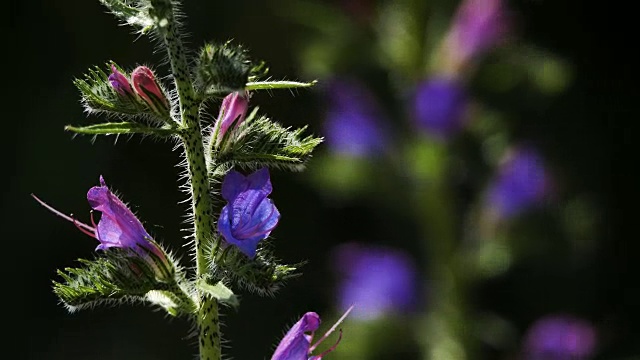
(439, 106)
(522, 181)
(560, 337)
(296, 344)
(249, 215)
(478, 26)
(376, 280)
(353, 124)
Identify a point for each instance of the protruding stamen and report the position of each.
(83, 227)
(333, 328)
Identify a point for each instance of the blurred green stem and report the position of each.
(446, 327)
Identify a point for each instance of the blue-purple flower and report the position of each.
(296, 344)
(560, 337)
(249, 215)
(353, 124)
(478, 26)
(118, 226)
(232, 113)
(440, 106)
(522, 181)
(377, 280)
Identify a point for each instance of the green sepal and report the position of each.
(123, 128)
(225, 68)
(99, 96)
(263, 275)
(259, 142)
(129, 14)
(282, 84)
(219, 291)
(119, 276)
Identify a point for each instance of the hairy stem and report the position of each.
(208, 322)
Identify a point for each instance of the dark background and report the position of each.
(585, 132)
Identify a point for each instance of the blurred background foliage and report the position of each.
(549, 85)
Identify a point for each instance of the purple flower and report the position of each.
(522, 181)
(120, 83)
(478, 26)
(145, 84)
(353, 122)
(249, 215)
(439, 106)
(559, 337)
(232, 113)
(296, 344)
(118, 227)
(377, 280)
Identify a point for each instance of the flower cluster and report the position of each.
(143, 85)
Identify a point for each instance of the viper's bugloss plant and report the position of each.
(224, 239)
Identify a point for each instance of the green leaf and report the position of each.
(119, 276)
(219, 291)
(222, 69)
(263, 275)
(282, 84)
(259, 142)
(123, 128)
(123, 10)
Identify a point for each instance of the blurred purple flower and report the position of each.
(522, 181)
(296, 344)
(376, 280)
(439, 106)
(559, 337)
(232, 112)
(478, 25)
(353, 122)
(249, 215)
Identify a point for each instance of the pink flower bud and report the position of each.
(232, 113)
(119, 82)
(145, 85)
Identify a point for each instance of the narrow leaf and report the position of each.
(268, 85)
(122, 128)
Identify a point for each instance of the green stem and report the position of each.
(446, 325)
(208, 322)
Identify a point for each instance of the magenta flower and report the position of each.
(145, 85)
(296, 344)
(559, 337)
(439, 106)
(232, 113)
(377, 280)
(249, 215)
(120, 83)
(118, 226)
(478, 26)
(522, 182)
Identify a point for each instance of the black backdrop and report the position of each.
(51, 42)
